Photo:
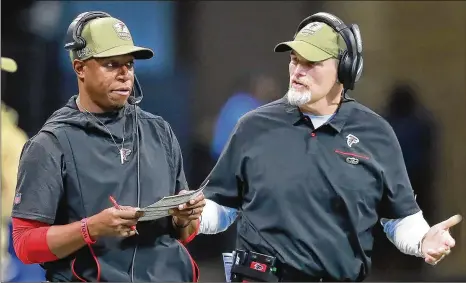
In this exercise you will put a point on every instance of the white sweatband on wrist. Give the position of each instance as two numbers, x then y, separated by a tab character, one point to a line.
216	218
406	233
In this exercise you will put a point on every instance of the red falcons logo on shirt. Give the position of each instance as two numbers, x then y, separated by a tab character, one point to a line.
258	266
350	140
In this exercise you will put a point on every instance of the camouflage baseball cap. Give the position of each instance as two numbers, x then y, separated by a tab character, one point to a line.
9	65
107	37
315	42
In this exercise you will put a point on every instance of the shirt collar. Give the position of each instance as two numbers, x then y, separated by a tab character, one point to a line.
337	122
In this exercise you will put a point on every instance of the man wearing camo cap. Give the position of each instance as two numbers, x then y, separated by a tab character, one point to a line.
99	145
312	173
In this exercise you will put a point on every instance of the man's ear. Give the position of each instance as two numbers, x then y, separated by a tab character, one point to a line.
78	67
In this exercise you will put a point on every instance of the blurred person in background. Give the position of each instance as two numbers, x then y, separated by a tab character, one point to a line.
249	93
417	133
13	139
102	145
312	173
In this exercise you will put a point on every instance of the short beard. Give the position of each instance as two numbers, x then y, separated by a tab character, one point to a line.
298	98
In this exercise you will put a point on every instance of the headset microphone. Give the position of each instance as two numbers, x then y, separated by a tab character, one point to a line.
133	99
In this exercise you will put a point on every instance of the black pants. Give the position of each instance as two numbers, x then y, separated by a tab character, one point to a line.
286	273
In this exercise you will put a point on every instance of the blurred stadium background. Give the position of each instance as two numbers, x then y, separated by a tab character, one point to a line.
214	61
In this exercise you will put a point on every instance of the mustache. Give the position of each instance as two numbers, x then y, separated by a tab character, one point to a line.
304	83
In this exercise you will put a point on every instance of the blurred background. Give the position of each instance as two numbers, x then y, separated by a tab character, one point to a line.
214	62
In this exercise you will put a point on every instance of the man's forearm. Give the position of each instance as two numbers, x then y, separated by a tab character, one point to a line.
37	242
64	240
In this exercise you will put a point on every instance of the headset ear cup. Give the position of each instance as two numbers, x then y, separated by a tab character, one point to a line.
359	62
74	40
359	68
344	66
353	68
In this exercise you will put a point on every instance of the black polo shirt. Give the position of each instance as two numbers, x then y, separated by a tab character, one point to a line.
70	168
312	196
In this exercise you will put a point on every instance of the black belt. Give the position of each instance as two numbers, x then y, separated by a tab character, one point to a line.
287	273
251	266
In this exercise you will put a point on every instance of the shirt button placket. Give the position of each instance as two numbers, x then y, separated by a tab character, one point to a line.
312	143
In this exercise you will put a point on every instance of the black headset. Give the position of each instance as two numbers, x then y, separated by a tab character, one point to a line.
351	61
74	41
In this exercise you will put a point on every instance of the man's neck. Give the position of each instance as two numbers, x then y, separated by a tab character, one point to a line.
324	106
85	104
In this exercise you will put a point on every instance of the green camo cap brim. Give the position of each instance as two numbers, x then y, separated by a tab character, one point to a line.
137	52
306	50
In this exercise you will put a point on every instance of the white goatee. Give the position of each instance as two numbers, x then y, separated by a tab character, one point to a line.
298	98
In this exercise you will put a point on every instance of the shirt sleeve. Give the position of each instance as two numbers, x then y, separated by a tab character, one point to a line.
40	184
226	183
30	241
176	161
398	199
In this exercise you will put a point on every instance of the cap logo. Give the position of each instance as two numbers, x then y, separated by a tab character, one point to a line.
311	28
122	31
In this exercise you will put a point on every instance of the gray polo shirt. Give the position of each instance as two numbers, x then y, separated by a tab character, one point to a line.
312	196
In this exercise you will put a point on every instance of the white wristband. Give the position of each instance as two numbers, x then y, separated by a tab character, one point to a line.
407	233
216	218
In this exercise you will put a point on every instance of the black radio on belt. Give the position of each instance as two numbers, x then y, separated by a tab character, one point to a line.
255	267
